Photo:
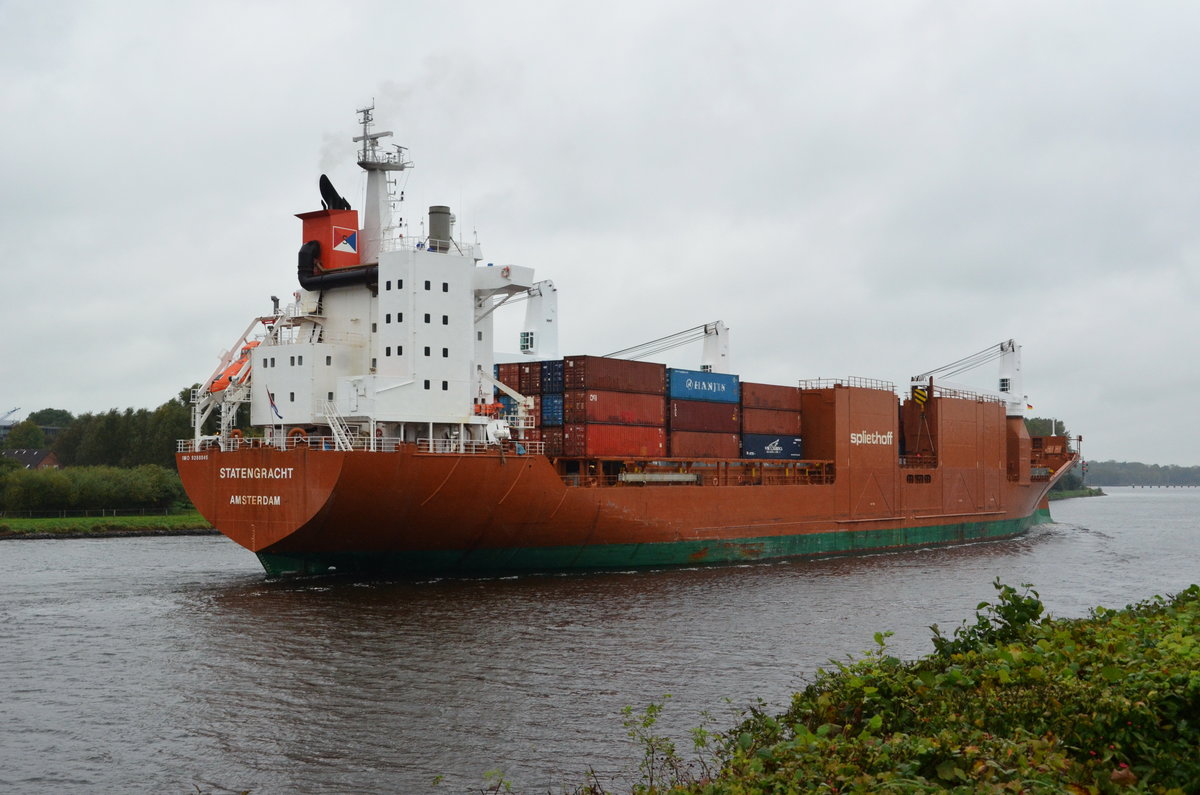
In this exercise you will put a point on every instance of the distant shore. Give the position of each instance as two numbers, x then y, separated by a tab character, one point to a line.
182	524
1067	495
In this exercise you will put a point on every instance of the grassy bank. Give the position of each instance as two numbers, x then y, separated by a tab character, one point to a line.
99	526
1012	703
1066	495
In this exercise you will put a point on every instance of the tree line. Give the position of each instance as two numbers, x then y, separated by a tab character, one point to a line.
89	488
113	459
114	438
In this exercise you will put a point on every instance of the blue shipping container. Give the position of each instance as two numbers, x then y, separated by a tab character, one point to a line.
766	445
552	376
552	409
699	385
510	404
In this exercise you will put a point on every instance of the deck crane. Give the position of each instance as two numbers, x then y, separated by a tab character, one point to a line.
714	359
1009	387
8	414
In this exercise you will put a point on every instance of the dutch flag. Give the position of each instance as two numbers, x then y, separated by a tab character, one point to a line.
271	400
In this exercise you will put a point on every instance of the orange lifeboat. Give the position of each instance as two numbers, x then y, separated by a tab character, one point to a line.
222	382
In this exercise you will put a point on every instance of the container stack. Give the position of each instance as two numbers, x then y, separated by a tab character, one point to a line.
771	421
613	407
705	416
550	410
597	407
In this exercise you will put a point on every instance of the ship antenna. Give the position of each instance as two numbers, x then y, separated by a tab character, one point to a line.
377	209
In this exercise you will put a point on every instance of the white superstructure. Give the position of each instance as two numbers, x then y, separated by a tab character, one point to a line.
392	335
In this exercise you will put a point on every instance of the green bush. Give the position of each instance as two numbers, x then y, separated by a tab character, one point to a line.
90	488
1012	703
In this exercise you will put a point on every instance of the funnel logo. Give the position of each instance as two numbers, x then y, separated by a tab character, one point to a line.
345	240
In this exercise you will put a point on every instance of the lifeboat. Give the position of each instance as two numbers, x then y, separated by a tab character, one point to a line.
225	379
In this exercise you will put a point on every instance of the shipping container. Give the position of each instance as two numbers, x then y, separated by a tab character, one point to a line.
697	444
614	375
759	445
770	396
703	415
552	376
531	378
509	374
551	410
509	403
770	421
613	441
553	439
616	408
699	385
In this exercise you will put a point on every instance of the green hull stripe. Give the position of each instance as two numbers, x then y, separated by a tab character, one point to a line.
633	556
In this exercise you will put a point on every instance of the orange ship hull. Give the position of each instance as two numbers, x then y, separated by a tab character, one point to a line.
313	511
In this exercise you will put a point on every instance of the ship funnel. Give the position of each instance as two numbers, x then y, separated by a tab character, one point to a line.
439	228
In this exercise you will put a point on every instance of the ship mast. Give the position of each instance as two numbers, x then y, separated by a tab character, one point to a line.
376	161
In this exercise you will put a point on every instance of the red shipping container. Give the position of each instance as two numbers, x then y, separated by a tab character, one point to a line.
771	421
531	378
509	374
553	437
615	408
770	396
704	415
529	434
696	444
613	441
614	375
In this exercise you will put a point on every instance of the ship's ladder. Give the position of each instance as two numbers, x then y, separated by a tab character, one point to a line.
337	427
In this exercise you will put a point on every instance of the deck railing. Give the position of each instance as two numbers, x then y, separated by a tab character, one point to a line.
383	444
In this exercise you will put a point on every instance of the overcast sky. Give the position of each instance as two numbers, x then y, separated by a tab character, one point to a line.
870	189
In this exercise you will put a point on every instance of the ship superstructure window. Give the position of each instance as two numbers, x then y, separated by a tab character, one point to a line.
445	320
1005	385
387	285
292	397
399	350
445	386
426	350
445	353
387	318
426	284
479	336
299	360
387	351
330	394
373	328
399	284
445	287
328	360
427	383
426	317
399	317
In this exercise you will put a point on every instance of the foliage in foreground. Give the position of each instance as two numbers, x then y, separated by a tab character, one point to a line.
1013	703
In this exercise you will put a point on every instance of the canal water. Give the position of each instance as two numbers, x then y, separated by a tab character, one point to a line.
174	665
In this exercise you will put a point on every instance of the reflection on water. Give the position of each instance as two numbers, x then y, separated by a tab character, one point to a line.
165	664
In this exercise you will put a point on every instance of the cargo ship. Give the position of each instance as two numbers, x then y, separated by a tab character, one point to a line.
386	438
